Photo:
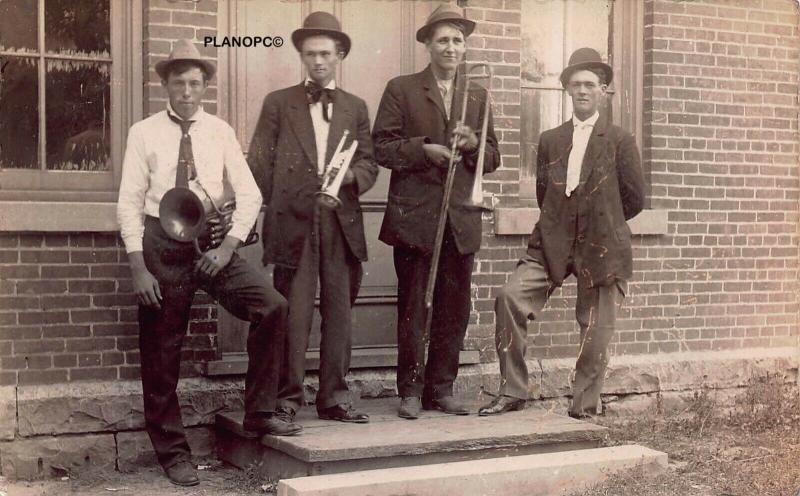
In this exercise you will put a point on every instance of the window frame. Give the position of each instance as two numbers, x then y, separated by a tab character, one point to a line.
125	109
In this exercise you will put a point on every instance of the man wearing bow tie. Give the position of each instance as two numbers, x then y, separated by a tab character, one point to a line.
588	183
297	134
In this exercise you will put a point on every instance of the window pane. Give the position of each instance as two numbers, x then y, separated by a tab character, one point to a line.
77	27
19	113
543	41
77	118
18	25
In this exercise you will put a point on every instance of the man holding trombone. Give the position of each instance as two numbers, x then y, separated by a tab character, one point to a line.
305	134
423	135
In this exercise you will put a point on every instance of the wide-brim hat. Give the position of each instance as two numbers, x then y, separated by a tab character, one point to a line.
321	23
582	59
445	13
184	50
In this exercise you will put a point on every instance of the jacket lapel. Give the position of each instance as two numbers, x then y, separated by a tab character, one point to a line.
339	120
300	119
432	91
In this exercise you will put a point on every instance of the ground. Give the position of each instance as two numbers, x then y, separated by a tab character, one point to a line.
748	448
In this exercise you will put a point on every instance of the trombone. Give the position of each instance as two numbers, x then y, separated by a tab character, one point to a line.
476	198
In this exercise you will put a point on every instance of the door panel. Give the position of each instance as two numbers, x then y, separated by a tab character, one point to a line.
383	46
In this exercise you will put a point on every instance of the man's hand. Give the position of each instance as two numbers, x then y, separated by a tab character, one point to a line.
145	285
465	138
439	155
349	177
215	260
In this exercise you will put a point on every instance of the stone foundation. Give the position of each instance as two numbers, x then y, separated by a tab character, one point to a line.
52	429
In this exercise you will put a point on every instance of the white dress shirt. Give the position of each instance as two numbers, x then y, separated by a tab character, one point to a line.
581	132
151	162
321	127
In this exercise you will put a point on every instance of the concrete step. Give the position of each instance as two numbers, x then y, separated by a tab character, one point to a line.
329	447
528	475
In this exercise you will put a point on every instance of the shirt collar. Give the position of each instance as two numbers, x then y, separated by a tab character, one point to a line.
591	121
198	116
330	86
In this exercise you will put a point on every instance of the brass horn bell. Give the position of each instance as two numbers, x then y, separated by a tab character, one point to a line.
182	214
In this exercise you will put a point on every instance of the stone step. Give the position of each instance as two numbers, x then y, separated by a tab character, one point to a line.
328	447
527	475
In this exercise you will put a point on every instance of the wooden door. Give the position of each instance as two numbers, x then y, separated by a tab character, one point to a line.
383	47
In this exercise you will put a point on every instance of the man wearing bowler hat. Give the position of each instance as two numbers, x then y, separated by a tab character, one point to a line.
183	147
588	184
418	117
297	134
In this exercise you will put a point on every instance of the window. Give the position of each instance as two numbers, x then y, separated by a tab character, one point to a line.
551	31
66	94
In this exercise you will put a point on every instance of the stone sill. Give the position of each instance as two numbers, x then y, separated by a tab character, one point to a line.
520	221
58	216
112	406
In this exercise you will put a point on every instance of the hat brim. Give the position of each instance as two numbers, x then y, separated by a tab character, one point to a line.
162	67
301	34
567	73
466	24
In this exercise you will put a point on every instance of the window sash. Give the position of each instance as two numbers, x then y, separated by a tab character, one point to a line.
125	109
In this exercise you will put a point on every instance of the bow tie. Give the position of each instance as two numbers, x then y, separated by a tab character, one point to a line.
316	93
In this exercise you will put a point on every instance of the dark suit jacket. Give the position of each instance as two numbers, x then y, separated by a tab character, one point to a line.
411	114
611	190
283	158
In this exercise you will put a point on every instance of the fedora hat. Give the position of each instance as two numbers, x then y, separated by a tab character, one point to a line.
184	50
445	13
321	23
582	59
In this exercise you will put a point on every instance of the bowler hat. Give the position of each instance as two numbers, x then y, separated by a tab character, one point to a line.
582	59
321	23
445	13
184	50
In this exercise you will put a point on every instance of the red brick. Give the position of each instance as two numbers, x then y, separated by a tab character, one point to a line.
64	271
93	374
66	331
41	256
36	317
38	346
90	344
91	286
91	316
33	377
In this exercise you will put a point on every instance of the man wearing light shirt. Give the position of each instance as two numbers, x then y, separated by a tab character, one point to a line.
185	147
588	184
296	136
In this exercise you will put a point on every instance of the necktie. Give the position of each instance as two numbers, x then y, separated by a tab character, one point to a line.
447	97
316	93
186	169
579	141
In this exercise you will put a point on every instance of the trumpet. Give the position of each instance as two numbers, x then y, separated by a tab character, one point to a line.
183	217
334	173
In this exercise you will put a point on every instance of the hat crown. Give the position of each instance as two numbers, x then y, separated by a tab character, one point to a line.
322	20
585	55
184	49
445	12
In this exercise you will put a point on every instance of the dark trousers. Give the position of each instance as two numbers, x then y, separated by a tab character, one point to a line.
241	289
339	274
522	299
451	308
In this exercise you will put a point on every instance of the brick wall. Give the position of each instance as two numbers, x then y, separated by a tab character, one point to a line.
497	40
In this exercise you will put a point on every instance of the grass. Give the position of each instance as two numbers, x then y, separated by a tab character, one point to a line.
745	447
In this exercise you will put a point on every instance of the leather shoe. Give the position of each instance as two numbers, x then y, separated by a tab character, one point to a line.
343	413
182	474
502	404
275	424
447	404
409	408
